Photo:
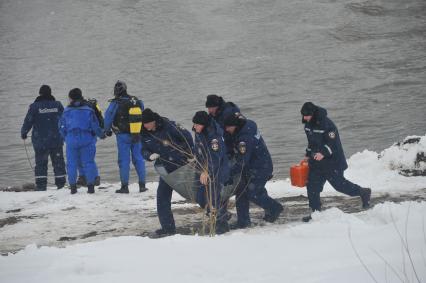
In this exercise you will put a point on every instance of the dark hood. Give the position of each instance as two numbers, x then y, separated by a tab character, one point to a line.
319	115
45	97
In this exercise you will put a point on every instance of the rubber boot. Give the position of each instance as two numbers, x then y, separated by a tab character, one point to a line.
274	214
237	225
73	189
142	187
165	232
221	227
123	190
309	217
365	194
81	181
91	189
97	181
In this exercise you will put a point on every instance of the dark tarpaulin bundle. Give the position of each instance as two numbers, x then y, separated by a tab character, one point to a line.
183	180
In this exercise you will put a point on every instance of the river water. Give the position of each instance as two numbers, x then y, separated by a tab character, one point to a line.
365	61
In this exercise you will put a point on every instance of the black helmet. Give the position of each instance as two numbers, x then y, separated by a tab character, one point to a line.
120	88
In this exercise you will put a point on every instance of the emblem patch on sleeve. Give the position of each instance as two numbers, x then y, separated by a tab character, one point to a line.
332	135
215	144
180	127
242	148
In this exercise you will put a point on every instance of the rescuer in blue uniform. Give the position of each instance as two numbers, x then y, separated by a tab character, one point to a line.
79	128
326	158
254	163
43	116
119	118
219	109
213	165
81	180
170	145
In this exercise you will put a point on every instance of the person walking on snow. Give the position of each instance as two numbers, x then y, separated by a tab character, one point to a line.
326	158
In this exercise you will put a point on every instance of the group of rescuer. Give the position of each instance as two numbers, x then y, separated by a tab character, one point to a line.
227	150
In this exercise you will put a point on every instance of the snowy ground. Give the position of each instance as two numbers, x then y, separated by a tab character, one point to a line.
36	223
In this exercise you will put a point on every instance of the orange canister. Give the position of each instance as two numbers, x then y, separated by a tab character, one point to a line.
299	174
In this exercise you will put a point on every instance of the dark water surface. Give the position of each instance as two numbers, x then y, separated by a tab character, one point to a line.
365	61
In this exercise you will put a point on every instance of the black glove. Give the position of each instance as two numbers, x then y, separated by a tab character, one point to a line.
108	133
24	136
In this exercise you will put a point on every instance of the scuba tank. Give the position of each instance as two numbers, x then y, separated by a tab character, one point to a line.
128	118
135	119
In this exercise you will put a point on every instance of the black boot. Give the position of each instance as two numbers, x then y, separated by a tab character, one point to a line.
274	214
222	227
97	181
365	194
165	232
307	218
142	187
60	186
239	226
91	189
81	181
73	189
123	190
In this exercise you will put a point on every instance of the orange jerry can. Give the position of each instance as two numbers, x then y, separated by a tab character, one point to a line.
299	174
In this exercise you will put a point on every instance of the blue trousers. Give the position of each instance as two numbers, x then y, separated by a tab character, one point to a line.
316	181
81	170
40	171
164	206
125	149
253	189
81	152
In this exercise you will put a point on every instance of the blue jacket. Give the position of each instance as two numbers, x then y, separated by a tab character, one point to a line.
224	111
43	116
79	125
323	137
111	113
252	155
171	141
210	151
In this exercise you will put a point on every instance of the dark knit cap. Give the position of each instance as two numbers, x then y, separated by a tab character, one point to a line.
45	90
75	94
308	109
201	118
214	100
148	116
233	120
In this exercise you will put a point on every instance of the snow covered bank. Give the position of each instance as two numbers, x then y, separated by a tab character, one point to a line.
55	218
320	251
378	171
